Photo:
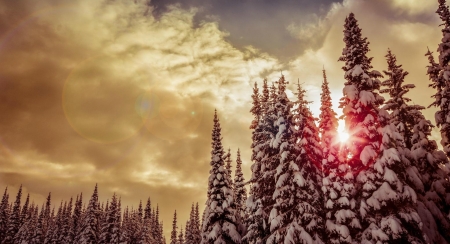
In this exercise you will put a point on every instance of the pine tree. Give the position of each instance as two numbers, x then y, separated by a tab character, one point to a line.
423	171
442	78
146	234
294	217
219	225
195	226
337	183
65	236
173	234
228	162
111	224
190	227
373	147
240	194
180	236
24	211
76	219
14	219
264	157
124	232
38	235
89	224
4	215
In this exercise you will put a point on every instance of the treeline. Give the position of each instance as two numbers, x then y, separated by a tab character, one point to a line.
74	222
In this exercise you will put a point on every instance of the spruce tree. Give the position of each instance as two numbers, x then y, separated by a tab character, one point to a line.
374	157
111	224
240	192
180	236
424	172
195	227
338	181
294	217
76	219
441	82
219	225
260	200
4	215
173	234
89	225
14	219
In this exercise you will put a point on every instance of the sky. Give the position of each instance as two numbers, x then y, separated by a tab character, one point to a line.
122	92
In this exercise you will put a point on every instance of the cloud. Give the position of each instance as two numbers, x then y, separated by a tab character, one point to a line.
102	92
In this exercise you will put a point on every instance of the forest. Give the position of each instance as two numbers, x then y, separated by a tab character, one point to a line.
387	183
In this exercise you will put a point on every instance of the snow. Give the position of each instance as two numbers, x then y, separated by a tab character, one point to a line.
298	179
366	97
367	154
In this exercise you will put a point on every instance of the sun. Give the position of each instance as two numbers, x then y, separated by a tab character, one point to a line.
343	136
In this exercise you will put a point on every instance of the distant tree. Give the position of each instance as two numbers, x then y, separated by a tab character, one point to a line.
89	224
4	215
173	234
219	225
180	236
111	224
240	193
14	220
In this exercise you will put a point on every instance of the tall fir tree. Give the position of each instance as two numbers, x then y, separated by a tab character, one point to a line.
14	219
373	146
424	172
180	236
4	215
89	224
442	82
294	217
219	225
240	192
338	180
111	224
260	200
173	234
228	162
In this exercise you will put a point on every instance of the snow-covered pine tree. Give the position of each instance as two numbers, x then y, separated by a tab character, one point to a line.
424	171
442	81
180	236
89	224
173	234
14	220
25	232
260	201
219	225
189	237
240	192
38	235
24	210
385	201
146	234
124	232
294	217
228	162
76	219
64	236
4	215
111	224
196	232
338	180
255	220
